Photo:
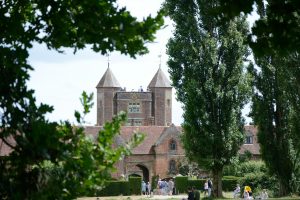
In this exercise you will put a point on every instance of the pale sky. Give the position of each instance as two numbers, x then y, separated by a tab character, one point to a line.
59	79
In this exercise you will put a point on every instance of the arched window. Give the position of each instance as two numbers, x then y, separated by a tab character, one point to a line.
172	167
172	145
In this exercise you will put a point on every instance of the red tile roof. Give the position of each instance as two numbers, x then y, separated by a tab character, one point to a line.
152	133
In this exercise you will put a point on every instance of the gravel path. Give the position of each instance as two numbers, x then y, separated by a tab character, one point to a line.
135	197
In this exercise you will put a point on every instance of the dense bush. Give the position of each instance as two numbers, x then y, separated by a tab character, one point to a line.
198	184
242	168
259	181
115	188
135	184
154	182
181	184
229	183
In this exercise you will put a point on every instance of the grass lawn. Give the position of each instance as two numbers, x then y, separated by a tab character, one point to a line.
227	195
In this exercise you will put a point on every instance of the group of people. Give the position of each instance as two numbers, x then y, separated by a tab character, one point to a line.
207	188
247	195
165	187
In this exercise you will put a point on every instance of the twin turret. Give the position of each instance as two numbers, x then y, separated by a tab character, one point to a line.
144	108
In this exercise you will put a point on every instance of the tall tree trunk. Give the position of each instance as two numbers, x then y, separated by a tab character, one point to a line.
283	187
217	182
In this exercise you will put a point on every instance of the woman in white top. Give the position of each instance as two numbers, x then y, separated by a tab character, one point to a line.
205	188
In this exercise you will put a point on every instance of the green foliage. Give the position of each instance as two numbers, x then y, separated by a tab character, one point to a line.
100	24
51	160
135	185
187	168
198	184
75	166
181	184
240	169
258	181
115	188
275	30
154	181
207	70
229	183
276	112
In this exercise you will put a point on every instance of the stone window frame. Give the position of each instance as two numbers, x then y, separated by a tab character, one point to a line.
134	107
172	145
249	137
134	122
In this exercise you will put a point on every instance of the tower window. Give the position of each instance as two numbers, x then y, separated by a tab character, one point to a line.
134	122
249	138
172	145
134	107
168	102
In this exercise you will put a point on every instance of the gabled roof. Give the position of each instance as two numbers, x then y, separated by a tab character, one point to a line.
160	80
152	133
108	80
172	130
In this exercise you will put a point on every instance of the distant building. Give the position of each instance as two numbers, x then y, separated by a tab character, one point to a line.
152	107
149	112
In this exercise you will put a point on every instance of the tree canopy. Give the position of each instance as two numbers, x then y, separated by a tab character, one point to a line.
207	70
50	156
276	30
275	111
65	23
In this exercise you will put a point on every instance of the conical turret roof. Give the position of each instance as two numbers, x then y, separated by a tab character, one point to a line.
108	80
160	80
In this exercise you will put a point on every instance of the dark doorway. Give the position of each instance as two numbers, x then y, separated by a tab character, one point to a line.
145	172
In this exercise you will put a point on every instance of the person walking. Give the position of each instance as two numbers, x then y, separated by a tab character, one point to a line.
210	185
148	189
143	187
171	186
206	188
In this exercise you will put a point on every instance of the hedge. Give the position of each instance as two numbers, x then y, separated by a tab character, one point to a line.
115	188
135	184
229	183
198	184
182	183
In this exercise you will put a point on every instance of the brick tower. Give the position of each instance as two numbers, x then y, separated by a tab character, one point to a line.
107	87
161	90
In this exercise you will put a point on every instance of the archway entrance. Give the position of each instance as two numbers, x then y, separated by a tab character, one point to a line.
145	172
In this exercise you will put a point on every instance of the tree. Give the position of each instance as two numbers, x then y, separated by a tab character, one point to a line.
38	144
275	111
58	161
277	28
207	70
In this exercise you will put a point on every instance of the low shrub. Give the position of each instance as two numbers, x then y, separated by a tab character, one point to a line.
198	184
229	183
115	188
135	185
181	184
259	181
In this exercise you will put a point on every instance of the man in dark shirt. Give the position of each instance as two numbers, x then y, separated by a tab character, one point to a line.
196	193
190	194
